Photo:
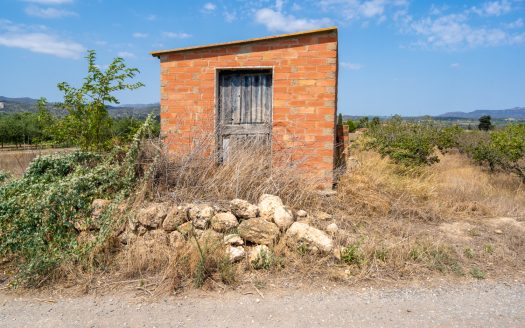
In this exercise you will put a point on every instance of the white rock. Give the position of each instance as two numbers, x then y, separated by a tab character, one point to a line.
283	217
301	214
233	239
332	228
236	253
314	238
223	222
267	205
243	209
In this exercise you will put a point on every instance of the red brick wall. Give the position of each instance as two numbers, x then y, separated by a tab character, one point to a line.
304	95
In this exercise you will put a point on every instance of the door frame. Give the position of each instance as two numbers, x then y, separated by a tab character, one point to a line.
218	71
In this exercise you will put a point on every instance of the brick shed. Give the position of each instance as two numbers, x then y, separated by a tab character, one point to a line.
282	89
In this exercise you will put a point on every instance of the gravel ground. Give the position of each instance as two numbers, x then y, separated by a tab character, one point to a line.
480	304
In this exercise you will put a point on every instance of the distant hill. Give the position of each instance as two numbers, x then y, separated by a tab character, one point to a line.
18	105
517	113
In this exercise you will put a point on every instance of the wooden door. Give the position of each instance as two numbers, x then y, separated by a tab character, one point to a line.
244	116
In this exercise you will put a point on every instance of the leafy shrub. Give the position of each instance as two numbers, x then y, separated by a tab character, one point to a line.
351	126
38	212
501	149
411	143
477	273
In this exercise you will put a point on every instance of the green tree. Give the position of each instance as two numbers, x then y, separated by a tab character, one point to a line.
88	123
351	126
375	121
363	122
340	119
485	123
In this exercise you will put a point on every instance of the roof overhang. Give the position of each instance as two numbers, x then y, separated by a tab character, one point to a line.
268	38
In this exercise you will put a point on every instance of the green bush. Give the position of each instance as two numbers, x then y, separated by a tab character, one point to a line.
351	126
411	143
38	212
501	149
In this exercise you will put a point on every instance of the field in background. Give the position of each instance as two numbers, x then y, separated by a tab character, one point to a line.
15	161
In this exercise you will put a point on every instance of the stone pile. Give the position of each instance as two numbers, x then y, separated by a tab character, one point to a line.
245	229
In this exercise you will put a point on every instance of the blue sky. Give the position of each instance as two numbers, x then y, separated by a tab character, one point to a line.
397	56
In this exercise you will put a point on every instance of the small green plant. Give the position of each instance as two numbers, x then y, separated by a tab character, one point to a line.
302	249
436	257
352	254
469	253
227	271
457	269
488	248
381	254
477	273
264	260
474	232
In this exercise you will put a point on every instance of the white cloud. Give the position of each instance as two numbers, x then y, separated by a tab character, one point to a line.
279	5
176	35
230	16
372	8
50	2
38	39
140	35
48	12
151	17
455	65
126	54
296	7
453	31
44	44
209	7
276	21
518	23
493	8
351	66
362	10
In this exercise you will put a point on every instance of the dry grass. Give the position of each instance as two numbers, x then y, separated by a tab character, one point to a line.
395	225
196	177
16	161
408	224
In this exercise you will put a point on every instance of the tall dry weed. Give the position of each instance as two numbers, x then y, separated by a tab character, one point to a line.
248	173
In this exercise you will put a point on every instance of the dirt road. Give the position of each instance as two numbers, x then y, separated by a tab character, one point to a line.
480	304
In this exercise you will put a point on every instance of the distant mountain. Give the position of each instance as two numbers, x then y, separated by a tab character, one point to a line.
18	105
517	113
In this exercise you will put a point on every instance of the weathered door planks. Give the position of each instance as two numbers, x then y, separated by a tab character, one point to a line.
244	110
